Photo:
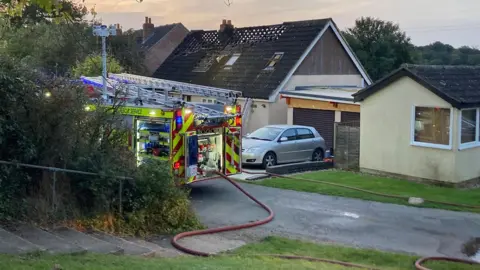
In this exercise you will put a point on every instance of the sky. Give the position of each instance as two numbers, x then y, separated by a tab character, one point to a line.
455	22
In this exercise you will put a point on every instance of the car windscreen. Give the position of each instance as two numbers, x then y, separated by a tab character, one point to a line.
265	133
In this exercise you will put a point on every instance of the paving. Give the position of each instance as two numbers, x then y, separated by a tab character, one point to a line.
314	217
47	241
13	244
255	175
128	247
87	242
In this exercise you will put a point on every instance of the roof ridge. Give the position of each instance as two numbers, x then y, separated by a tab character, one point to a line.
271	25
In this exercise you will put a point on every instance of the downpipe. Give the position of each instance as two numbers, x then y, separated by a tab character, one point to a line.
418	264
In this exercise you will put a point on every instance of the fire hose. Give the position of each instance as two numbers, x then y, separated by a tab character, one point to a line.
418	264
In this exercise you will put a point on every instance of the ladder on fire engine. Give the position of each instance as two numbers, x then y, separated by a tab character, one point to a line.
134	91
184	88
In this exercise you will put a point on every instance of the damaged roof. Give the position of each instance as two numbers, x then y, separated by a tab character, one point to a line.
204	57
458	85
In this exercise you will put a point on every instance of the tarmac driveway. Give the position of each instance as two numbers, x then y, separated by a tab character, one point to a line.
427	232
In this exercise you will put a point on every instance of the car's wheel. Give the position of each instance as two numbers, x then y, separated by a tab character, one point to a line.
269	160
317	155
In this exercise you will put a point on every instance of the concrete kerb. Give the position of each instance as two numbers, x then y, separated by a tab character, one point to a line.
300	167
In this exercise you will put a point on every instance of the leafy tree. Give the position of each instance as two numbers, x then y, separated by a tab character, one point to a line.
92	66
381	46
34	13
439	53
127	51
52	48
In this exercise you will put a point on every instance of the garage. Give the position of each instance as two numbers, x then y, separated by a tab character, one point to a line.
322	120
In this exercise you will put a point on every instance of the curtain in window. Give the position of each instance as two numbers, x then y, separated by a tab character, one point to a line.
432	125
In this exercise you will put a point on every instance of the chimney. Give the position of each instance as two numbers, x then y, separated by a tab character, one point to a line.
119	29
147	28
226	30
223	25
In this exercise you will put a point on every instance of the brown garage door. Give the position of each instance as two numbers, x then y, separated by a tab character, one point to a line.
321	120
350	117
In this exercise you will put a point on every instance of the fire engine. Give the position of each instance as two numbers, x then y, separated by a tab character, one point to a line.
196	138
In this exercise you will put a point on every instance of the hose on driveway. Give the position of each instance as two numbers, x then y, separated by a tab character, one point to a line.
175	240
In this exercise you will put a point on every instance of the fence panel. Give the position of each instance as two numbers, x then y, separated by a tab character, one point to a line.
347	145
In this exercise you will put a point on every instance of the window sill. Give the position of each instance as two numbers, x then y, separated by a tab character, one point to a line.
432	145
468	146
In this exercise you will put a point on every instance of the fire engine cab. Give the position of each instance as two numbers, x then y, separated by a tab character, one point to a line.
196	138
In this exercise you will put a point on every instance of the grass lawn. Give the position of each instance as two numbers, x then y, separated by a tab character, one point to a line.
239	259
376	184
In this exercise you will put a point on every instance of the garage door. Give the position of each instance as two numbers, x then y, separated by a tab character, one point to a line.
350	117
321	120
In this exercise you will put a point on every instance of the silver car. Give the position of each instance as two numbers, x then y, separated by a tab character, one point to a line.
277	144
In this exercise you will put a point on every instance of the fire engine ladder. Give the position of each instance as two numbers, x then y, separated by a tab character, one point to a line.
133	91
184	88
152	96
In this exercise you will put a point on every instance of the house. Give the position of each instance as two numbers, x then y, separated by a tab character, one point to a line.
262	61
422	123
321	108
157	43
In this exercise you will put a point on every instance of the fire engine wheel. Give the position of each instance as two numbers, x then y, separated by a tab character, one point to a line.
269	160
317	155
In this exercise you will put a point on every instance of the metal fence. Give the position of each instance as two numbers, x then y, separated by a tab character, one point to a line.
51	192
347	145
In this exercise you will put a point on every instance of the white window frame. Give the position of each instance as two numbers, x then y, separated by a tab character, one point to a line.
268	67
476	143
430	145
232	59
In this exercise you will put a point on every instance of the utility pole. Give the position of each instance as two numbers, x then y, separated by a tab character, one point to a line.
103	31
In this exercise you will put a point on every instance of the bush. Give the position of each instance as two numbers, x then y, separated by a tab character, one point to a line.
43	121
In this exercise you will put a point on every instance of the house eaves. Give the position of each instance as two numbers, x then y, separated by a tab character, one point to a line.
404	72
274	96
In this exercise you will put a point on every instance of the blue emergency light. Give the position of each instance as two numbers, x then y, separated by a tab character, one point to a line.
178	120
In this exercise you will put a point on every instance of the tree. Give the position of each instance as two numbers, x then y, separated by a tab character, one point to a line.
34	13
381	46
51	48
92	66
439	53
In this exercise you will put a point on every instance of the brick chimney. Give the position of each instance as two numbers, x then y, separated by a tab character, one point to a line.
119	29
147	28
226	25
226	30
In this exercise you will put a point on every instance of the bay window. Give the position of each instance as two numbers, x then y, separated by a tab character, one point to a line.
432	127
469	128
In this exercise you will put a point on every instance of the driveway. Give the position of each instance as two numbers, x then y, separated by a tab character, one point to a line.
426	232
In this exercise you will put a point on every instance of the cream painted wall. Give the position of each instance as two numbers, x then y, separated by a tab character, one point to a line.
385	135
290	116
259	115
466	161
324	80
278	112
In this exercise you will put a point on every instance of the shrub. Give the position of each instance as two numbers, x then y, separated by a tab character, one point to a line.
43	121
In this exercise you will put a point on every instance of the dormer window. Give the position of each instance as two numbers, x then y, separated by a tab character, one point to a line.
274	60
232	60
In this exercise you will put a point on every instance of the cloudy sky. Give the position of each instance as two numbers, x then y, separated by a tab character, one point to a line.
451	21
